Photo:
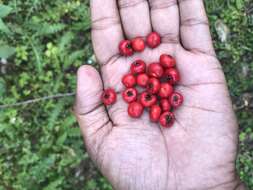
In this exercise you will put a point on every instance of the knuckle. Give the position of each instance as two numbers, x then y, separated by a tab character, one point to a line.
194	21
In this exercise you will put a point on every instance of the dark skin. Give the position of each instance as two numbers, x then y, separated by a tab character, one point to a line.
199	151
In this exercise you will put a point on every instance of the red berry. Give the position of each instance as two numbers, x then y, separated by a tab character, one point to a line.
125	48
130	95
138	67
135	109
167	119
153	40
176	99
129	80
155	70
109	96
147	99
171	76
165	104
138	44
155	113
167	61
153	85
165	90
142	79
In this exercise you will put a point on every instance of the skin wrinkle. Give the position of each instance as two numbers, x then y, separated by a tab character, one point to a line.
200	108
104	23
129	3
161	4
170	38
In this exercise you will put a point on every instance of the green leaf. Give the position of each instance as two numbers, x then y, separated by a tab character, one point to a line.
239	4
4	28
4	10
6	51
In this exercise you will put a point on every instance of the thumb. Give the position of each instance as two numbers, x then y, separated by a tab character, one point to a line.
89	111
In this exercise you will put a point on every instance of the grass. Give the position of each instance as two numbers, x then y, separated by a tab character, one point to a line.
44	42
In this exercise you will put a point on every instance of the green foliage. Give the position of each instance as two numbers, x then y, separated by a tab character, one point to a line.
44	43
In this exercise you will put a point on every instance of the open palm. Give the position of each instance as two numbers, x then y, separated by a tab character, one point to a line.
199	151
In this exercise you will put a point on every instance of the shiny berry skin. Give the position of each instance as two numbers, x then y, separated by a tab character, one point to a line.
129	95
155	113
153	40
135	109
165	90
176	99
129	80
165	105
167	61
125	48
155	70
109	96
171	76
138	44
167	119
153	85
147	99
138	67
142	80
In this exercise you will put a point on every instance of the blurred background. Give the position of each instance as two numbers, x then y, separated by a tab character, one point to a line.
42	43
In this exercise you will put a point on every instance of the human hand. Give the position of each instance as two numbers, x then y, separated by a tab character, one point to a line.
199	151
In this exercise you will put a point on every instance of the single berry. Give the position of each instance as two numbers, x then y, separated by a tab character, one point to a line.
171	76
176	99
153	40
142	80
109	96
165	90
130	95
155	113
138	44
135	109
167	119
155	70
129	80
147	99
125	48
153	85
138	67
165	105
167	61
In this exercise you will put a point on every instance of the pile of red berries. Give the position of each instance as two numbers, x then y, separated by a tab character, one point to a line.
150	86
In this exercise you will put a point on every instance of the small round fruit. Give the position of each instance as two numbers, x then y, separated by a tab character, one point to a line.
138	67
176	99
147	99
125	48
171	76
142	80
135	109
165	90
153	85
155	70
130	95
167	119
129	80
109	96
155	113
165	105
153	40
138	44
167	61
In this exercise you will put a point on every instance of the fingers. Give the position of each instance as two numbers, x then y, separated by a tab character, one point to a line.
165	19
89	111
135	17
106	29
195	33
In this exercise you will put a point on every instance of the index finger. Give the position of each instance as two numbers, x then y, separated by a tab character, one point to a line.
106	29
